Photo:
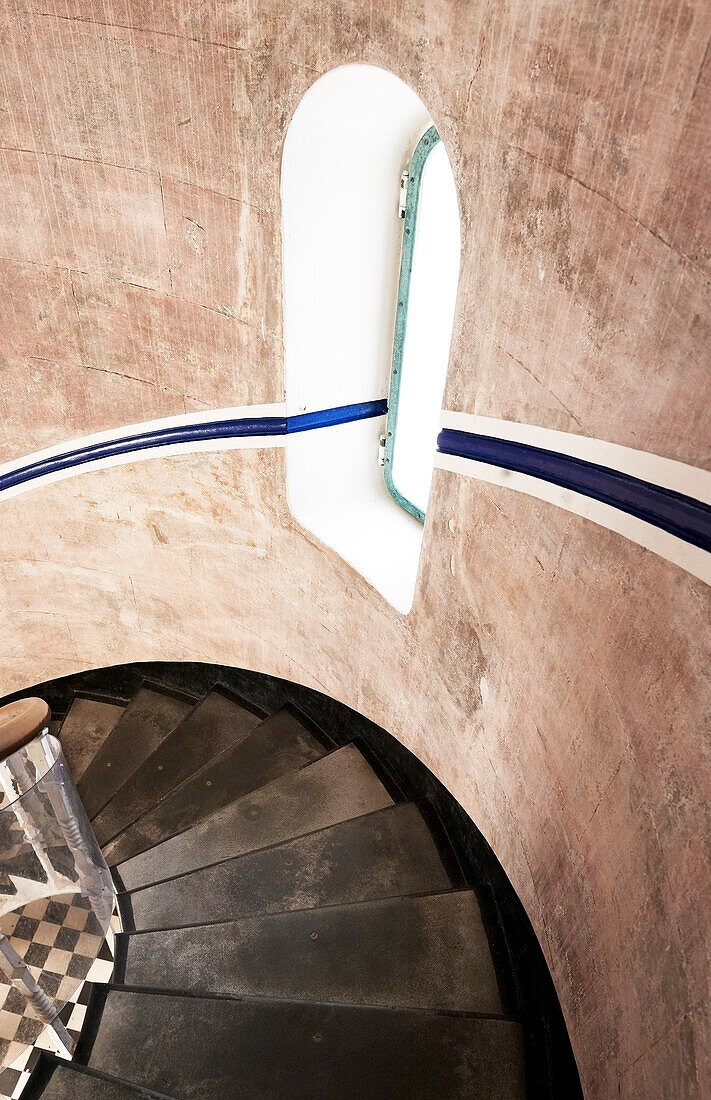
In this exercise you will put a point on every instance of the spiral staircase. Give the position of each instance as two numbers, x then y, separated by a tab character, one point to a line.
293	924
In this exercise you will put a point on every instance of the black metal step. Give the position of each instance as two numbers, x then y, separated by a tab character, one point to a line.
210	1049
340	786
281	743
384	854
54	1080
215	724
148	719
426	952
87	725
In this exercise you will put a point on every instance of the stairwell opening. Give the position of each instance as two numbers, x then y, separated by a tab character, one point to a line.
302	828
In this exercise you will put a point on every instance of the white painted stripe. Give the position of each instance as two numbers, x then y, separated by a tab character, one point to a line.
692	481
668	473
691	558
236	412
238	443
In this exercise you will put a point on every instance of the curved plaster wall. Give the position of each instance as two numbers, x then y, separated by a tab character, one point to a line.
553	672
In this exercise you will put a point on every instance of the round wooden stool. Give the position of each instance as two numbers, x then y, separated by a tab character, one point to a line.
20	723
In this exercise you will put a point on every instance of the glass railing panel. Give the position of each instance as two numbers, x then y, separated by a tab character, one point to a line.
47	851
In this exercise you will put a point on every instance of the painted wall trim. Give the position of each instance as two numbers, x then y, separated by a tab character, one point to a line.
557	467
343	414
246	426
691	481
680	515
687	555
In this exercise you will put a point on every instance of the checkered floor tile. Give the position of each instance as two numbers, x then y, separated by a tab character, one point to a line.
61	941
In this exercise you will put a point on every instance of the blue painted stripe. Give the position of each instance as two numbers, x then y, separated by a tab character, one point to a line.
687	518
343	414
192	433
162	437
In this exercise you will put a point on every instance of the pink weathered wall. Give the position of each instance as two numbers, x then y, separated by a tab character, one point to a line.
553	674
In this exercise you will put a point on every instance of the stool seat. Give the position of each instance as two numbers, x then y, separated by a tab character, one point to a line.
20	722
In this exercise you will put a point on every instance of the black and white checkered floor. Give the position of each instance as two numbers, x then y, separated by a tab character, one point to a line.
61	941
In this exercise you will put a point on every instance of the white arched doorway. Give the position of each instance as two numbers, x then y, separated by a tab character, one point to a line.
350	237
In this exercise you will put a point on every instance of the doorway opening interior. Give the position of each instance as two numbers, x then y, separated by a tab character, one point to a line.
371	248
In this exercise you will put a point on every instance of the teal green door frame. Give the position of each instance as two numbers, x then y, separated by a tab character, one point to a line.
417	164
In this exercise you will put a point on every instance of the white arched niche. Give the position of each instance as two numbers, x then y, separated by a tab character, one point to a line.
350	140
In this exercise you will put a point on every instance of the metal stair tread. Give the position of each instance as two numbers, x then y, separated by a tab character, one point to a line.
387	853
278	1049
219	721
280	743
339	786
87	724
148	719
429	951
55	1080
82	1087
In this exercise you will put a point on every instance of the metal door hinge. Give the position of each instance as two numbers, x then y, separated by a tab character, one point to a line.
402	205
381	451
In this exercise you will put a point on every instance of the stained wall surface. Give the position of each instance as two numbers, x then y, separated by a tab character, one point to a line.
553	674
